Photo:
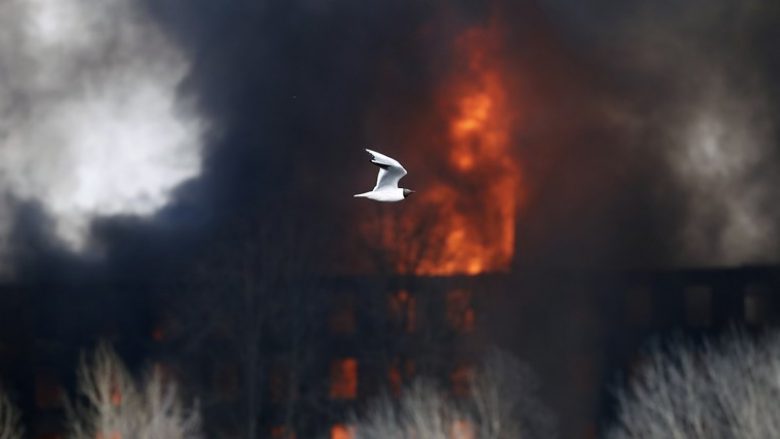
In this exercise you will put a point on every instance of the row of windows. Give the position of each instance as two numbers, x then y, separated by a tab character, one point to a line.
343	380
699	304
402	308
337	431
460	429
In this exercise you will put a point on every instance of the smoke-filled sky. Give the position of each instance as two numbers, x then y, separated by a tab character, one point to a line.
91	121
695	86
130	130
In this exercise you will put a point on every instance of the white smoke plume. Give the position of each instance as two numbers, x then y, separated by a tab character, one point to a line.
90	121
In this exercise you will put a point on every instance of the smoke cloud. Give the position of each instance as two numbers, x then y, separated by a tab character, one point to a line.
90	122
646	136
722	142
688	90
714	125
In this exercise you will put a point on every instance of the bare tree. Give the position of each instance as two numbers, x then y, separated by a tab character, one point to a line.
424	411
500	405
10	424
112	406
252	311
503	402
726	389
163	416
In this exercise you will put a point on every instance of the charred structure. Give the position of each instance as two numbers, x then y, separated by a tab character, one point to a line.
574	166
369	335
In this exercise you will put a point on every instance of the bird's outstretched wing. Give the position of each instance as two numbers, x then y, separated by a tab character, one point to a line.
390	171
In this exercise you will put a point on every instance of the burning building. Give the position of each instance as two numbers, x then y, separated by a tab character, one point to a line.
571	166
473	206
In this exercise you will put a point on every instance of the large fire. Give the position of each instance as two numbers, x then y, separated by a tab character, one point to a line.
469	224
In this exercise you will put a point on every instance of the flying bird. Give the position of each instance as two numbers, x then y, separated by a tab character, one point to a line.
390	172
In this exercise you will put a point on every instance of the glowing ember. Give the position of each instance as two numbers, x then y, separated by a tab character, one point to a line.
340	431
281	432
116	397
400	373
344	378
462	429
460	379
460	314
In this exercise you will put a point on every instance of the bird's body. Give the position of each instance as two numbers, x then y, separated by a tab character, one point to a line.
386	195
390	172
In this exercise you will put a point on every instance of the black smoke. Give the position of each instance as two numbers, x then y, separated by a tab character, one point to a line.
611	97
670	112
647	137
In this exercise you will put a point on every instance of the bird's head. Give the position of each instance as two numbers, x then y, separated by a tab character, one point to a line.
407	192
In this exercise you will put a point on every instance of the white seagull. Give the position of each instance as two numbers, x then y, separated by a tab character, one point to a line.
390	172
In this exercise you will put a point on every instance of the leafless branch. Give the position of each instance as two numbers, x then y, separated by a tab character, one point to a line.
503	400
500	406
109	398
727	389
10	425
163	416
113	407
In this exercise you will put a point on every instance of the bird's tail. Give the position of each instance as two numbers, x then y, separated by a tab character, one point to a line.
363	195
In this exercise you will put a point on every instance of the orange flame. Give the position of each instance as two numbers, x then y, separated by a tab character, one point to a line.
476	221
464	222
